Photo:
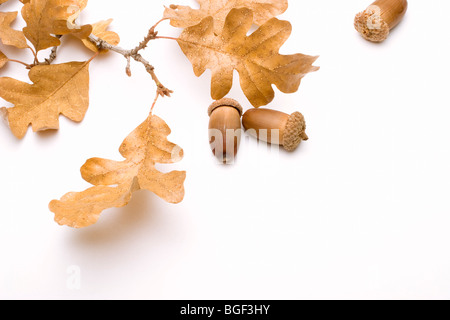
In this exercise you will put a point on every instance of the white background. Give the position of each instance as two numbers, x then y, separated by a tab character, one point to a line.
360	211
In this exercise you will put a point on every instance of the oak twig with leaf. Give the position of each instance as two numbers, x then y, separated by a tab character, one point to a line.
214	37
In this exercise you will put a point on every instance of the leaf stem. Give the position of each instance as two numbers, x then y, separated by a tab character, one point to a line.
21	62
156	24
163	37
154	103
93	57
34	53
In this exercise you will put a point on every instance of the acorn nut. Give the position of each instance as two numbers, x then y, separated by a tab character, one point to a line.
376	22
276	127
225	129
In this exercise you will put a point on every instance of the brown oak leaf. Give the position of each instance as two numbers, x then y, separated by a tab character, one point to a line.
23	1
8	35
184	16
56	89
3	59
99	30
47	18
255	57
114	182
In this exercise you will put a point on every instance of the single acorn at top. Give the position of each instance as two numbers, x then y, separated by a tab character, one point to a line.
225	129
376	22
276	127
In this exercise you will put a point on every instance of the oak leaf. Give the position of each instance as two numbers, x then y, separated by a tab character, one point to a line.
56	89
47	18
99	30
114	182
3	59
23	1
184	16
8	35
255	57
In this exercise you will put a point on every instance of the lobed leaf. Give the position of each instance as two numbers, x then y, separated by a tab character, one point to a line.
184	16
255	57
115	181
56	89
3	59
47	18
8	35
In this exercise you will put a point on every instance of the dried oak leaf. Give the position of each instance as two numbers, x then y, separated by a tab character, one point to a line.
23	1
99	30
114	182
3	59
47	18
56	89
255	57
8	35
184	16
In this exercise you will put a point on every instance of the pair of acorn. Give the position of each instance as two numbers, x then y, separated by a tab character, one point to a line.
267	125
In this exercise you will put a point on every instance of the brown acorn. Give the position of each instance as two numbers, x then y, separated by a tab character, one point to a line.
225	129
376	22
276	127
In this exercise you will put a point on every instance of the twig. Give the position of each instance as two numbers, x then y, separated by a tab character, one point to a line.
128	68
135	55
51	57
151	35
53	53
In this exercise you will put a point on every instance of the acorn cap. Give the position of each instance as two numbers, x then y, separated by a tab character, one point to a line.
225	102
371	25
294	131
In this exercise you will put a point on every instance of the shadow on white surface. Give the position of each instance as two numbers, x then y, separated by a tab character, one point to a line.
47	134
116	225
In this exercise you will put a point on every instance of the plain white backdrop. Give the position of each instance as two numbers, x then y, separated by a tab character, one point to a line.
360	211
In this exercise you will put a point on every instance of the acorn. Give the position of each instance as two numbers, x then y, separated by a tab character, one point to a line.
376	22
276	127
225	129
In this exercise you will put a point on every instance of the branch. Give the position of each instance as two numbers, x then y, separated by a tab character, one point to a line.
135	55
152	35
51	57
